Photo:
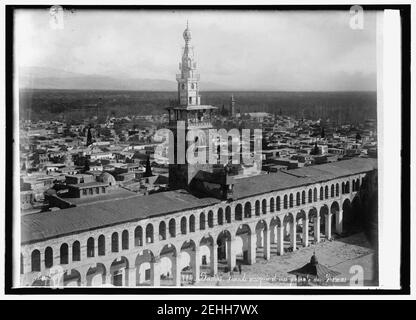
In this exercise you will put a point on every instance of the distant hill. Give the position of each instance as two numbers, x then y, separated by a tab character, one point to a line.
49	78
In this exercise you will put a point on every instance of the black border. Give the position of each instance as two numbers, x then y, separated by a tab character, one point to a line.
405	11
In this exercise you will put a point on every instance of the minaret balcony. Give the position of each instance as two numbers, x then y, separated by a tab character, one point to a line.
194	77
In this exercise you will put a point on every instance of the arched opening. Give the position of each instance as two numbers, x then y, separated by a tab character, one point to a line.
125	240
202	221
247	254
210	219
263	239
96	275
228	214
326	192
343	188
192	223
337	219
247	210
264	206
303	197
48	257
321	193
357	185
143	263
272	204
257	207
285	204
119	272
168	270
90	247
172	228
310	196
347	187
162	230
138	236
337	190
149	233
238	212
189	265
35	260
101	245
72	278
226	258
63	254
332	191
114	242
291	200
298	198
76	251
315	195
183	225
220	217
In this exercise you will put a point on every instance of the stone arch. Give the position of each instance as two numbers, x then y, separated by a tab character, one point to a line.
343	188
138	236
244	234
238	214
183	225
188	263
315	194
326	192
347	222
224	251
285	204
220	216
168	255
149	233
347	187
321	193
298	198
337	222
202	221
97	272
271	204
332	190
90	247
192	223
76	251
144	262
210	219
291	200
228	214
125	240
337	190
303	197
247	210
162	230
63	254
35	260
172	228
264	206
71	278
114	242
278	202
310	196
257	208
119	271
101	245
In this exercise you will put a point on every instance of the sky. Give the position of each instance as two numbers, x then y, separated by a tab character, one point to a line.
245	50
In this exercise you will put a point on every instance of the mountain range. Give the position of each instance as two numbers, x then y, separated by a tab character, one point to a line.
50	78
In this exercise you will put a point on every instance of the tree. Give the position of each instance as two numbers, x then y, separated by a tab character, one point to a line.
89	137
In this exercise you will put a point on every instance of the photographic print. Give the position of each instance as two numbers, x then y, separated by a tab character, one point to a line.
197	148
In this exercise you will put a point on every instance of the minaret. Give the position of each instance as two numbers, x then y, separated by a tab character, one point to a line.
232	106
188	113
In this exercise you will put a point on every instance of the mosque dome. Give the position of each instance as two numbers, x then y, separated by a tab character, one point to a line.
314	260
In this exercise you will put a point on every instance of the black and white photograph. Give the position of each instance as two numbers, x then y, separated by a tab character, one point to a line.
202	148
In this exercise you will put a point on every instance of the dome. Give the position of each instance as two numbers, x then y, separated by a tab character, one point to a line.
187	34
107	178
314	260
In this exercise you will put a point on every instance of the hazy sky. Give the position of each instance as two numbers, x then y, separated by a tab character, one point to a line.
247	50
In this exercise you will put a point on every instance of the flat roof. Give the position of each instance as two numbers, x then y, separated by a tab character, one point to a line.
46	225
